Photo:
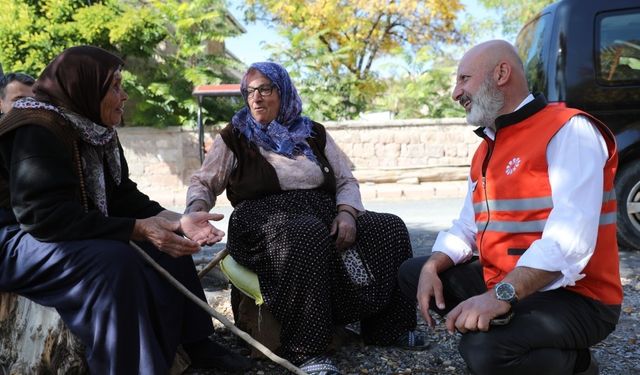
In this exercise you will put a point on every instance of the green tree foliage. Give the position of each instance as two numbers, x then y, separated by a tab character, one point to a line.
515	13
160	41
423	89
334	44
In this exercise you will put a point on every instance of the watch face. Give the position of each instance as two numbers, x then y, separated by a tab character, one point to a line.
505	291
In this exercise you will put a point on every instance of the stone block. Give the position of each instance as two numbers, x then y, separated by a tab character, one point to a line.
386	137
154	167
408	181
345	136
414	150
451	189
454	136
418	192
368	137
368	192
391	150
170	155
363	150
388	192
435	150
462	150
167	198
165	143
405	136
433	161
135	169
347	148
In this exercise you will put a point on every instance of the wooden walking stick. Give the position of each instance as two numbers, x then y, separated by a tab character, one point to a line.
214	262
205	306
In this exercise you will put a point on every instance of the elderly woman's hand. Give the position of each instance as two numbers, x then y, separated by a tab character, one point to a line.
197	227
344	227
161	232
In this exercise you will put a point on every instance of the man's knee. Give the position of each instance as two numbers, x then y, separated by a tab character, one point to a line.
115	261
484	355
409	275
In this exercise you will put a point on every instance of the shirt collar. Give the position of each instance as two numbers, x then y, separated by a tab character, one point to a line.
529	105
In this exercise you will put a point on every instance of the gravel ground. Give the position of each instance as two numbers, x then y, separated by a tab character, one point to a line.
618	354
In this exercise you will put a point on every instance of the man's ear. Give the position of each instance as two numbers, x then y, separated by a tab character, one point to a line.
502	73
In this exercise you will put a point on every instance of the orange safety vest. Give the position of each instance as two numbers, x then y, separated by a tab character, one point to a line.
512	201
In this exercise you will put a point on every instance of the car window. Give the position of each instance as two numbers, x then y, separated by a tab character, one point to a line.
530	48
619	47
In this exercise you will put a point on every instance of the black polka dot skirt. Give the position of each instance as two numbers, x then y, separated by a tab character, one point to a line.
284	239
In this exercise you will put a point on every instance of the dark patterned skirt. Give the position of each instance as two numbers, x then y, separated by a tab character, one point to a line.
285	240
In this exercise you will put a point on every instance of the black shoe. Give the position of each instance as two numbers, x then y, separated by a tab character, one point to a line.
207	354
412	340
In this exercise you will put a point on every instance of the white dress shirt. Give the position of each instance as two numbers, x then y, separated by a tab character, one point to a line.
576	156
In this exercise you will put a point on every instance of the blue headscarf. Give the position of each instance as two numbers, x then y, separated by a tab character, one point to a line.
287	134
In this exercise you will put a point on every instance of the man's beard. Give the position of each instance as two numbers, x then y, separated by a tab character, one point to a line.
485	105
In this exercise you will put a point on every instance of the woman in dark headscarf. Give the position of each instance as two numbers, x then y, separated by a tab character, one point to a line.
298	213
67	212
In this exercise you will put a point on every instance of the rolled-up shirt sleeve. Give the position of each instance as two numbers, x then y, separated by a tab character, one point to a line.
347	188
576	156
211	179
459	242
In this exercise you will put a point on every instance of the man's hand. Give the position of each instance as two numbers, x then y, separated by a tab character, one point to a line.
197	227
475	313
429	286
161	233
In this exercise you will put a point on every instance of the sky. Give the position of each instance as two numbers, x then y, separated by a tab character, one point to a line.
249	47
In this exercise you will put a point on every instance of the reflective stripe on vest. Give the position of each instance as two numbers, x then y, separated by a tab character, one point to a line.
529	204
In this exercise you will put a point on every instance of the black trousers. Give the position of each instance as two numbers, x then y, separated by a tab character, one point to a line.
130	319
549	334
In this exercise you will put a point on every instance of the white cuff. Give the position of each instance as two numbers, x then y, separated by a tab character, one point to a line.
546	255
454	247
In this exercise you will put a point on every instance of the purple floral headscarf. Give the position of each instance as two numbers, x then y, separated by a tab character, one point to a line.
287	134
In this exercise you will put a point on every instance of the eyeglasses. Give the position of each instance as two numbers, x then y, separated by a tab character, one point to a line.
264	90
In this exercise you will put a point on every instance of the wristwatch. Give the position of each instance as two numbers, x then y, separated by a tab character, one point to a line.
506	292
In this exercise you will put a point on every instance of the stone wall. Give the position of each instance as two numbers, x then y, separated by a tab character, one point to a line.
405	152
405	144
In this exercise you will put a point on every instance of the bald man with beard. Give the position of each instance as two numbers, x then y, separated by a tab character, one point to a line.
529	272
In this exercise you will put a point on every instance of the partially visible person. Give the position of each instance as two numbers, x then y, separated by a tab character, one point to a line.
14	86
299	224
541	214
68	210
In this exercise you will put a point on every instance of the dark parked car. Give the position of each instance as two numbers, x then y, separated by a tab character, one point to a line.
586	55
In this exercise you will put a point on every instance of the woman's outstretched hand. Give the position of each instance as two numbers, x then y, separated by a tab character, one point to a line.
196	226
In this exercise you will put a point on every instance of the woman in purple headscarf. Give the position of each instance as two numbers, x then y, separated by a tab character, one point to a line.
68	211
299	223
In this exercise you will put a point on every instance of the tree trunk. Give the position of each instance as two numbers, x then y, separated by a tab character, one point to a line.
34	340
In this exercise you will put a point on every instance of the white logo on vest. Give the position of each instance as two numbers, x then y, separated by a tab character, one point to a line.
512	166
